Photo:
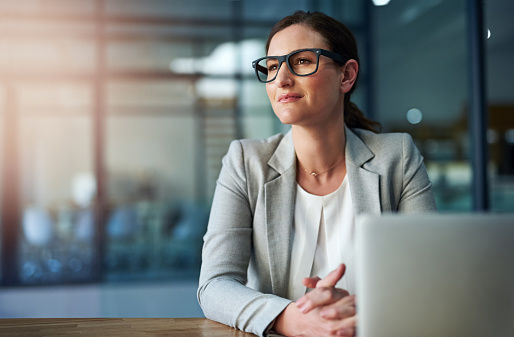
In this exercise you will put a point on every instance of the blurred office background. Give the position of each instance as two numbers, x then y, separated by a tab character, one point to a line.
115	114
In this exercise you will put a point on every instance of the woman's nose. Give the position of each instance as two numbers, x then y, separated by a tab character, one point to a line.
284	76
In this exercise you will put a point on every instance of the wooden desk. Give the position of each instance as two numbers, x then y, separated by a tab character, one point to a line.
126	327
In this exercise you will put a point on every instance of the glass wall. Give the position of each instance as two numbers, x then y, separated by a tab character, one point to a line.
57	183
422	87
116	114
500	92
119	114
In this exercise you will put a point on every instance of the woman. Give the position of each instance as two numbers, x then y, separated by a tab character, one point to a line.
284	208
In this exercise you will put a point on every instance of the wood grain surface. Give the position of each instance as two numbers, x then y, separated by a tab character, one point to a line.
184	327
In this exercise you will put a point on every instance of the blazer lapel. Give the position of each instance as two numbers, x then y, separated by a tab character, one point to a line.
364	185
280	195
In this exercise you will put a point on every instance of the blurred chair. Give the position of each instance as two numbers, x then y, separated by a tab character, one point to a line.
184	236
37	226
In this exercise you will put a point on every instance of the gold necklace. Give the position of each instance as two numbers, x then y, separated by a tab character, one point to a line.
314	174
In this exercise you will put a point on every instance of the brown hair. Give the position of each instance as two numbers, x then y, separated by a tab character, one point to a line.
340	40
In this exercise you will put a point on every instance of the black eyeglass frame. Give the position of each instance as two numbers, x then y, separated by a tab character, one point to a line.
285	58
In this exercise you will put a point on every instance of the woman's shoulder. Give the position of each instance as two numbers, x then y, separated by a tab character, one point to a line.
256	148
264	143
250	157
386	140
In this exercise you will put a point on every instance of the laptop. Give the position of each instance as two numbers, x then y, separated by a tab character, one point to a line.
435	275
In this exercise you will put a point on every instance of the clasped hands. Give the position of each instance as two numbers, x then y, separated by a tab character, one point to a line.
324	311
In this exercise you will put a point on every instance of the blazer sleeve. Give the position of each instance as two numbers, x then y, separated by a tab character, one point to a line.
222	293
416	195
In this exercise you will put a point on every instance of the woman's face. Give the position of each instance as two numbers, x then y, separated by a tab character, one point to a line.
305	100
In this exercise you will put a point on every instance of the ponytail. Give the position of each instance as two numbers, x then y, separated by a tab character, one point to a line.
354	118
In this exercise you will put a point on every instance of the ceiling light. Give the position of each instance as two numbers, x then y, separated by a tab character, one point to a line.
414	116
380	2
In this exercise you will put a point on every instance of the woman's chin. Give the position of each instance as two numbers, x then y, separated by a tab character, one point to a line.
288	118
285	121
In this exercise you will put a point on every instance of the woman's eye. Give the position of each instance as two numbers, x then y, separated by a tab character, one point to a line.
272	67
303	61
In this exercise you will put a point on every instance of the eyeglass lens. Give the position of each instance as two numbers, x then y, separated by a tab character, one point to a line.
301	63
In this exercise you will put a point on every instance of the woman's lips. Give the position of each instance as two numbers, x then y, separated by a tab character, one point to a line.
288	98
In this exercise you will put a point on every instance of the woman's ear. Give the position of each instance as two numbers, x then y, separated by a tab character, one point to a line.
349	72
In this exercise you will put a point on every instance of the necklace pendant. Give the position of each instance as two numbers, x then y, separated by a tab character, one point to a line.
313	174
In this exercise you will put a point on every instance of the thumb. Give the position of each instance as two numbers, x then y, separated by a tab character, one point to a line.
333	277
311	282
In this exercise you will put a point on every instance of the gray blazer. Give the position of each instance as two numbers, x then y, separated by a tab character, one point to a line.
247	247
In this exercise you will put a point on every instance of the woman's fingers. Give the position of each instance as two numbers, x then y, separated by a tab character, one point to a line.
344	327
291	322
343	308
320	297
348	327
310	282
329	281
324	291
333	277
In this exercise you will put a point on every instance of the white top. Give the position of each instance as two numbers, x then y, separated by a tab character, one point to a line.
323	237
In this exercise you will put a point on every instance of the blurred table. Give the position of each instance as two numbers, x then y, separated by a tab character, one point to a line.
183	327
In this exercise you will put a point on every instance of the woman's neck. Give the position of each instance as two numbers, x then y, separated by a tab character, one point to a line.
317	150
321	165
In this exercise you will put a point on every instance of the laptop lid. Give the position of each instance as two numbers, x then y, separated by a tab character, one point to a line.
435	275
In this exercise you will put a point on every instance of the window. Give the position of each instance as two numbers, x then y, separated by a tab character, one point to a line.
422	88
500	132
117	114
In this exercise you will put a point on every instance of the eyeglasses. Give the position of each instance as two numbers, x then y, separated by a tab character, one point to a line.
302	62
